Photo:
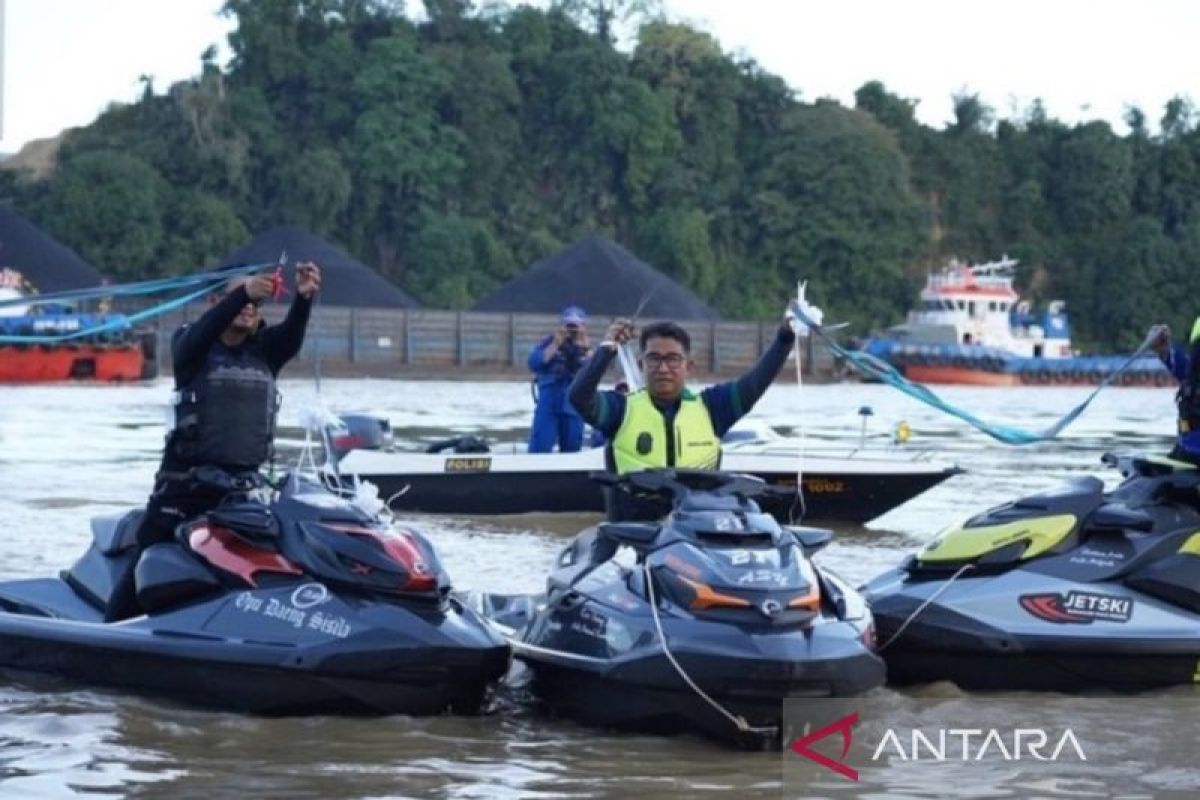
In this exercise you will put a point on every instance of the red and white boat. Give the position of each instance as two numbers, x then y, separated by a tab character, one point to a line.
25	356
972	327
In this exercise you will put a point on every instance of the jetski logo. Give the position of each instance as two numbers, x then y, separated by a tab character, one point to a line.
309	595
1077	608
844	726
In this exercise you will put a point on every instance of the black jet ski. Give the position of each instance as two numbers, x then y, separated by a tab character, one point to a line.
1071	589
723	616
299	604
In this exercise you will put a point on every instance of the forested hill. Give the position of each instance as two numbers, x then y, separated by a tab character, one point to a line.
453	152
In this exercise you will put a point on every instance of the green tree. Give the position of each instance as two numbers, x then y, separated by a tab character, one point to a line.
836	207
405	159
200	230
109	206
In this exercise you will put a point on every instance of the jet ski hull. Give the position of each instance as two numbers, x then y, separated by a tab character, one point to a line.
644	692
228	653
1010	652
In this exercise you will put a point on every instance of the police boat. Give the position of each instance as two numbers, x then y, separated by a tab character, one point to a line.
1075	588
722	616
286	600
465	475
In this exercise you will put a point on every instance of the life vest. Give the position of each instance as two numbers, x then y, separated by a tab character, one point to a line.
226	415
642	440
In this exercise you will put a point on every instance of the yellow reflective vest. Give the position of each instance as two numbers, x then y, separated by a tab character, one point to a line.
641	441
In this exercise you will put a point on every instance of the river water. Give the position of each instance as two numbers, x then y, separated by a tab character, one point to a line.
70	452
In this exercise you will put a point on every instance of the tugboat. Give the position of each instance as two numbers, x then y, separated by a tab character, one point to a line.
972	327
123	354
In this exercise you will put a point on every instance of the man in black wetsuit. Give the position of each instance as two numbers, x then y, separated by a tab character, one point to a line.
225	366
666	424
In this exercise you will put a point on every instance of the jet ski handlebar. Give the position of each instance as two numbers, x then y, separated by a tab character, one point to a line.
676	483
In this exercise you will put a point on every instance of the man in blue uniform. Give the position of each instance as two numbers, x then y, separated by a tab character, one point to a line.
555	361
1184	364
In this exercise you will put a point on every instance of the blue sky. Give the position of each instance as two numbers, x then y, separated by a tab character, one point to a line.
65	60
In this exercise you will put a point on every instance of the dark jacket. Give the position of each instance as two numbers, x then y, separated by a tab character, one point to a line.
198	354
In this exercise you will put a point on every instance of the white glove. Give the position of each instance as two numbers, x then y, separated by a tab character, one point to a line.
801	305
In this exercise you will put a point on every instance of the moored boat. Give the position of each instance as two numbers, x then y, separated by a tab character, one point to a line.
854	487
972	327
26	355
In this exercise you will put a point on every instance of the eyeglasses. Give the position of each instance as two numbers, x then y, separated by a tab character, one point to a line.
656	360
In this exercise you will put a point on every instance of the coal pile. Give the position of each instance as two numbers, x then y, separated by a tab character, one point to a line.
602	277
345	281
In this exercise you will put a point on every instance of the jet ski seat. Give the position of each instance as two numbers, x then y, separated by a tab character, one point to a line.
637	535
115	534
165	575
713	502
591	548
99	571
1113	516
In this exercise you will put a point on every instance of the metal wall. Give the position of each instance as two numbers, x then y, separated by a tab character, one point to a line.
380	341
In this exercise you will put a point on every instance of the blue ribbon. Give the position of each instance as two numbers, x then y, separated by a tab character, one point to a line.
120	322
882	371
155	286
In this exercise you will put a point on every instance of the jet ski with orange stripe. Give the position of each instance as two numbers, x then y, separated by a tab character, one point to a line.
1073	589
284	600
704	624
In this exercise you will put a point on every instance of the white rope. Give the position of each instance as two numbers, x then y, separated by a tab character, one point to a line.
923	606
800	430
738	721
797	329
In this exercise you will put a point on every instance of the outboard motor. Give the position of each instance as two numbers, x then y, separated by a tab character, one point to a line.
360	432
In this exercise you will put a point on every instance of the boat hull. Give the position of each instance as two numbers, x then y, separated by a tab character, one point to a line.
967	365
46	363
958	375
847	490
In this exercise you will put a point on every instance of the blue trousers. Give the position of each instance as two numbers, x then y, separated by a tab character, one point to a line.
551	428
1187	447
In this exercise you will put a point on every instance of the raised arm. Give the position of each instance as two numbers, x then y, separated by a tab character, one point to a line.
192	343
602	410
1173	356
729	402
583	395
282	342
